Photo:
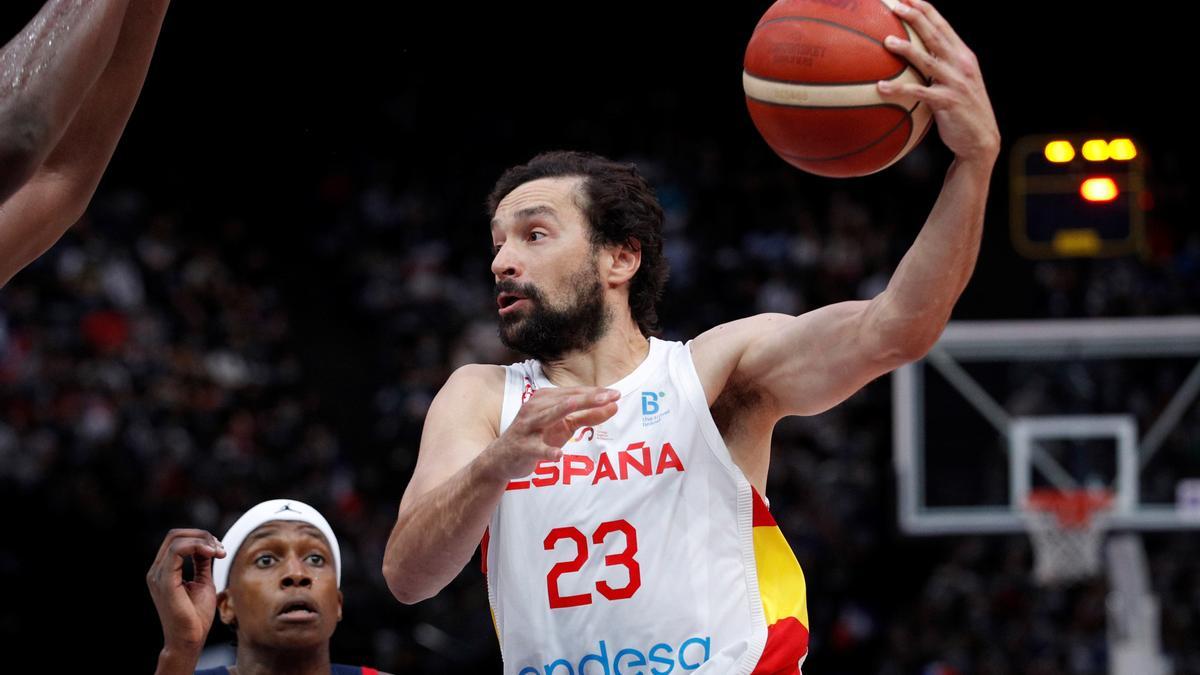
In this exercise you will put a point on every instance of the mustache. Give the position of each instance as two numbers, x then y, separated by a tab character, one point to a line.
524	290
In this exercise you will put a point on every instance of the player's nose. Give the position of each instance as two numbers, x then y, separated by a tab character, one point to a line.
506	263
295	574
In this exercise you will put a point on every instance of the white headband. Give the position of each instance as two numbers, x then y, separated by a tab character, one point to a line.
275	509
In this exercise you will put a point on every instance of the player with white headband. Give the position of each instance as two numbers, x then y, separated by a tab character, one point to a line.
275	579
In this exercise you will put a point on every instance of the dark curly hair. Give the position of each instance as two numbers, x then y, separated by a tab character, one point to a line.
619	206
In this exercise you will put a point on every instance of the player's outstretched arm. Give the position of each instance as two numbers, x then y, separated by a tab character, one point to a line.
64	177
807	364
185	608
45	72
464	467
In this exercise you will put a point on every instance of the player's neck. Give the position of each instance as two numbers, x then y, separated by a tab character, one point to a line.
257	660
616	354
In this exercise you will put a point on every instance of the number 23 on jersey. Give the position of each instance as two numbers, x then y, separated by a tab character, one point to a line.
612	529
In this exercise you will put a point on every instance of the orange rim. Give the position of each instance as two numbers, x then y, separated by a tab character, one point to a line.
1073	508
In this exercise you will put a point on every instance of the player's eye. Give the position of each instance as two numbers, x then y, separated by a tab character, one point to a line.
535	235
316	559
264	560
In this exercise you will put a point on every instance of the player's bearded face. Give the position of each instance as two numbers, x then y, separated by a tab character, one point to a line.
547	332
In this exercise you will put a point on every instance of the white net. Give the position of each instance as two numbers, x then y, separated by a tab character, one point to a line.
1064	553
1067	529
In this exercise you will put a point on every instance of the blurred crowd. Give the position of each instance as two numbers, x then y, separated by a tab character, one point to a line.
157	372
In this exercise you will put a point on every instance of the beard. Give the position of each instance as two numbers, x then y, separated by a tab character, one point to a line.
547	333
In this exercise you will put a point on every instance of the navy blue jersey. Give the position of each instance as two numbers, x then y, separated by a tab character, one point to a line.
334	669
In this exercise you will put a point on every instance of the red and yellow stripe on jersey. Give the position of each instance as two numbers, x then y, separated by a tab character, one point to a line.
784	597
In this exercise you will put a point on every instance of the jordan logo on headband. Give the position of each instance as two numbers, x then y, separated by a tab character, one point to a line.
287	507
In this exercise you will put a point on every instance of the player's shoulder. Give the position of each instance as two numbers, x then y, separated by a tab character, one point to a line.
477	375
724	344
717	351
469	402
475	383
471	390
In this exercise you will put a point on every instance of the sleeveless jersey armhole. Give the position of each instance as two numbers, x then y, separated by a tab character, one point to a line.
683	371
510	404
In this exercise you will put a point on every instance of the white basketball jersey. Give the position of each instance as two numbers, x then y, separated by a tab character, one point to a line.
644	549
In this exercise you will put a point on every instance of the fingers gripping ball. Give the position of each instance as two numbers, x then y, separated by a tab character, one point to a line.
810	78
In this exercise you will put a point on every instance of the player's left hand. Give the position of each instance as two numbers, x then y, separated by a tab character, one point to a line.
959	100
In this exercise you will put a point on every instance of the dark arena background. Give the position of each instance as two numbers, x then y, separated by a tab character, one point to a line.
289	255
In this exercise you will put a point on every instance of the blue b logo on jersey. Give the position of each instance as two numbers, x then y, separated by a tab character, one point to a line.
649	403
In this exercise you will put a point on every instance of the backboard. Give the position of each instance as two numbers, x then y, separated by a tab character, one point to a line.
999	408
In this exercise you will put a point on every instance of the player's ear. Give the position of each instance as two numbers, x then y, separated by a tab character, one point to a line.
339	605
623	260
225	609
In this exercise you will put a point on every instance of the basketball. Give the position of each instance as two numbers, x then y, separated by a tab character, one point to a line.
809	77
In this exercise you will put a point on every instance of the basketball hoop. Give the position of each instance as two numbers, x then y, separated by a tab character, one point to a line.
1066	527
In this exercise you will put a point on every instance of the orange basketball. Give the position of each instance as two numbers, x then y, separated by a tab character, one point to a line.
809	76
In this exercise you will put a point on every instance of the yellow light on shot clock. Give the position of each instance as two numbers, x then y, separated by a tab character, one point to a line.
1099	189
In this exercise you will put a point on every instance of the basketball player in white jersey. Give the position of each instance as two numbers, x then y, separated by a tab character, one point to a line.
616	480
68	83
